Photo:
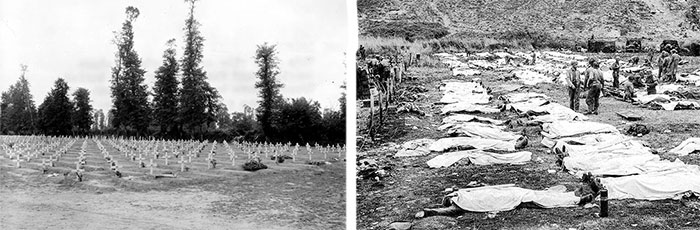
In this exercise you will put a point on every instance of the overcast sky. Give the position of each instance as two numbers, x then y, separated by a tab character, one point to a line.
72	39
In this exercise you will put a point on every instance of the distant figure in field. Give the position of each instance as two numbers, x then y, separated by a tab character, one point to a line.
616	72
594	83
573	83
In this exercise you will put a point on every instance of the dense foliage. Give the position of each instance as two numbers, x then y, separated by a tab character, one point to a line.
165	95
129	93
198	100
82	111
181	108
55	112
17	107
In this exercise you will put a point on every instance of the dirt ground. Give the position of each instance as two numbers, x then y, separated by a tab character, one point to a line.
291	195
411	186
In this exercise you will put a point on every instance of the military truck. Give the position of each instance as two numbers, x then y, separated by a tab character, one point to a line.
668	45
633	45
596	46
691	48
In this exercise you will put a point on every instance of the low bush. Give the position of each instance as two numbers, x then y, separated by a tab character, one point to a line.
254	164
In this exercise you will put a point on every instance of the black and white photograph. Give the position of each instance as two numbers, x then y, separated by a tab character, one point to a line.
513	114
160	114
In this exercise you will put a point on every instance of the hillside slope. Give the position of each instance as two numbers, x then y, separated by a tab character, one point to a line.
653	20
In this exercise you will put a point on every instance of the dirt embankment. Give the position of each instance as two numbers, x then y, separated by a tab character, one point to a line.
575	21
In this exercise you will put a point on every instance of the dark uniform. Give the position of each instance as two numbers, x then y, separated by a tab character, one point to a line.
675	60
661	64
573	80
651	82
594	82
616	73
629	90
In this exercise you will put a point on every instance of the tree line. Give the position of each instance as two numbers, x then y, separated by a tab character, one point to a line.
180	105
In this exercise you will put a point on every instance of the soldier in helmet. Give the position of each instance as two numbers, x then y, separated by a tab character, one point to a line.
594	83
651	82
573	83
662	64
675	60
616	72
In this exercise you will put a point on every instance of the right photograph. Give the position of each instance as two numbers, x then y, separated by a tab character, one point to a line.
512	114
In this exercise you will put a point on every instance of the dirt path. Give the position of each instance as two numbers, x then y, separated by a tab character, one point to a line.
180	209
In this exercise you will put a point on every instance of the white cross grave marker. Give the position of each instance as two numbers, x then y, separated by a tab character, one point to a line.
43	166
152	165
182	164
17	160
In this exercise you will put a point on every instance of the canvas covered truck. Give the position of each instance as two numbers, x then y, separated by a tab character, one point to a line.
668	45
597	46
633	45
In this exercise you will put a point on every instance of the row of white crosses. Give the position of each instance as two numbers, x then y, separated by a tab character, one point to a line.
231	153
252	149
82	161
30	147
132	147
56	156
20	147
112	163
181	150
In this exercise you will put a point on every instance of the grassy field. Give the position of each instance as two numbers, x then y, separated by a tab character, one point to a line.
411	186
290	195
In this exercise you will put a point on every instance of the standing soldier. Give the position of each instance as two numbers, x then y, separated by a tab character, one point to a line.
650	58
573	81
508	54
668	67
594	84
675	60
361	53
651	82
616	73
661	64
628	86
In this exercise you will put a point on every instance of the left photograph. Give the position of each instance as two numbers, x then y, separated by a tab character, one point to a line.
164	114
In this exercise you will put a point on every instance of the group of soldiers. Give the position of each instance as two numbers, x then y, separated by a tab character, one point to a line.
668	65
592	80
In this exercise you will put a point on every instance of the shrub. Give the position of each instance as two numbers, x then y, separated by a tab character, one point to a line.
254	164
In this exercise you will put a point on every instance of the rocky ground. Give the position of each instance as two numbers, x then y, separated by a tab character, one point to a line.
652	20
409	185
